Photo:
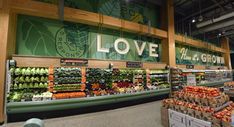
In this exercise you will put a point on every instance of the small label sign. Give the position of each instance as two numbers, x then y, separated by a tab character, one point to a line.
134	64
73	62
189	66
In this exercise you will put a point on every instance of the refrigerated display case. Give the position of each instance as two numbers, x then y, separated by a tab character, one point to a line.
210	77
59	88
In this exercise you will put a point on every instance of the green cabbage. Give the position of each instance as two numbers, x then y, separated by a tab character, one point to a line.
15	86
25	85
23	71
20	86
46	85
36	85
42	71
21	79
32	79
33	71
30	85
28	71
42	79
41	85
27	79
18	71
17	79
37	79
46	71
12	70
38	71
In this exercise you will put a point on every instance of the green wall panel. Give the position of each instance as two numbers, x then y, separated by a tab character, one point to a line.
47	37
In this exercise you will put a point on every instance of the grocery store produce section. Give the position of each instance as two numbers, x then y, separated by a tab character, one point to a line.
214	78
56	88
202	103
60	86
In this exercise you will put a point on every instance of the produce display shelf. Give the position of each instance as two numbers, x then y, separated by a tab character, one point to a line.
31	88
74	90
229	93
222	107
215	84
62	104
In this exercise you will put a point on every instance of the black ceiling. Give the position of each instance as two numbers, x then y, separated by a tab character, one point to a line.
216	19
217	15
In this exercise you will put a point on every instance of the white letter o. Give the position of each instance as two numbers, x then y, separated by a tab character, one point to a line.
117	41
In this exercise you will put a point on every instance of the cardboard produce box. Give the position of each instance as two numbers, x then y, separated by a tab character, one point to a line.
164	117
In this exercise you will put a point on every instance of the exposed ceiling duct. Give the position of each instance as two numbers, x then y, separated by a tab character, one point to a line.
215	20
215	26
228	33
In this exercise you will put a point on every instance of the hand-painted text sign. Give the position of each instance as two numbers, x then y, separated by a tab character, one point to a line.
191	55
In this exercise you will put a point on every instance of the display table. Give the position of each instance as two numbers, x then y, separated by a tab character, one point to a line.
177	119
198	104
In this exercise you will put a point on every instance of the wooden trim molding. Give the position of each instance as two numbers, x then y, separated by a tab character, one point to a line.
31	61
4	25
201	67
1	4
227	58
188	41
40	9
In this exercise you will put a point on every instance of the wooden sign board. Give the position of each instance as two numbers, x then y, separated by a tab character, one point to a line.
73	62
134	64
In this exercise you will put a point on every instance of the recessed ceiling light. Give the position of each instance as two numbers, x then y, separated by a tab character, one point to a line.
193	20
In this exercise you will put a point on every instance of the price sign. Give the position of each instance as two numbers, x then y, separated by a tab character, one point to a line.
190	66
134	64
191	79
73	62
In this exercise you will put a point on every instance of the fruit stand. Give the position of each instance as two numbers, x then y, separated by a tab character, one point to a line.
202	103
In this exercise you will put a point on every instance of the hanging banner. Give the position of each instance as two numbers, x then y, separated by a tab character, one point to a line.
190	55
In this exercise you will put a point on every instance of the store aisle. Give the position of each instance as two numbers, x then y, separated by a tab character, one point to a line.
142	115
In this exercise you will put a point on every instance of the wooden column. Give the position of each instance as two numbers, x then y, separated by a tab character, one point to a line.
4	23
226	55
168	45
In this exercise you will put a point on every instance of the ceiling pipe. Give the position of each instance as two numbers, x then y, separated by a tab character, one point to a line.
228	33
228	28
214	26
181	2
222	8
208	22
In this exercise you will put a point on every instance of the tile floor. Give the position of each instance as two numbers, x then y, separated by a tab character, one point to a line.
142	115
